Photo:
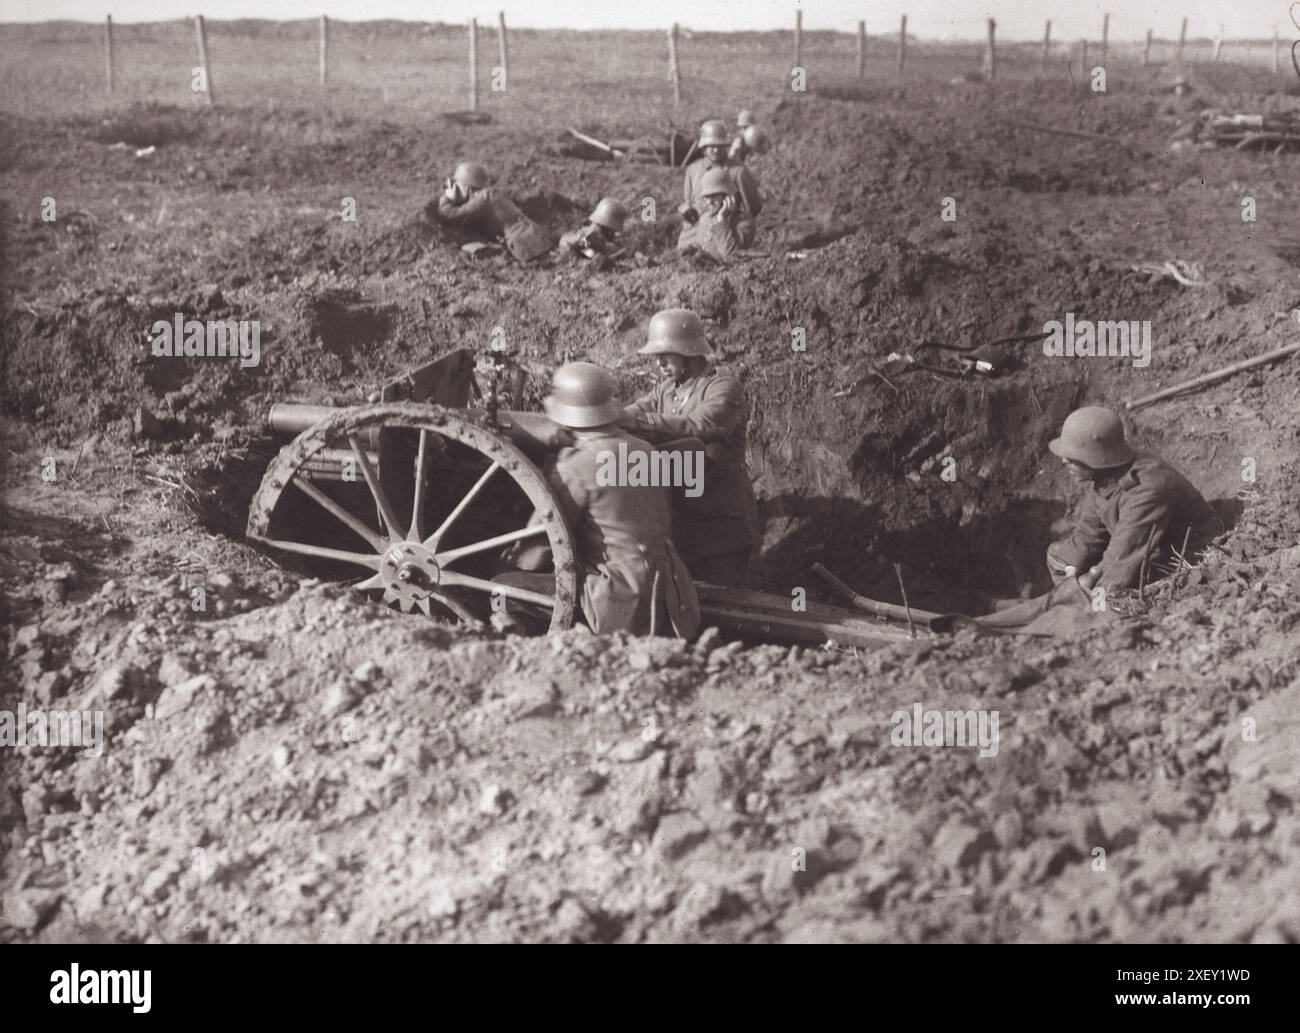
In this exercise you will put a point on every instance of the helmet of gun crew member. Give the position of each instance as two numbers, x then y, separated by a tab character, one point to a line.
714	133
471	175
582	395
1094	437
745	118
676	331
609	213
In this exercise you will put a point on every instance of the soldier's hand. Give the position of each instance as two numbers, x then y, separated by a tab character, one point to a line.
728	207
689	213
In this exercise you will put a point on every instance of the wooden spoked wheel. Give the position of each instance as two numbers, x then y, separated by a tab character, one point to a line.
413	505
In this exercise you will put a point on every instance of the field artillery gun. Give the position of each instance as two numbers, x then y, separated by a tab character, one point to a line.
410	499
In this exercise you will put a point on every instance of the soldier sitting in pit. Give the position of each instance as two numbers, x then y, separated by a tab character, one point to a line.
632	578
1136	511
480	214
718	232
714	142
598	236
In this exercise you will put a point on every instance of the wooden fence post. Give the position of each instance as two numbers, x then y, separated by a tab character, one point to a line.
674	70
473	64
503	53
324	50
1182	40
991	54
108	50
862	50
798	39
1146	51
203	59
902	48
1083	57
1105	38
1047	42
1218	44
1277	52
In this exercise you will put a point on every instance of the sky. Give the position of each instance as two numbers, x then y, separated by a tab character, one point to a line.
927	19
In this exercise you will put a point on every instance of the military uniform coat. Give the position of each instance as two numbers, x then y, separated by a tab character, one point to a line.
623	538
1150	502
712	408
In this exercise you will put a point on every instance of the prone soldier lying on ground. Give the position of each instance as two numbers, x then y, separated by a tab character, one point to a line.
1137	510
480	214
598	236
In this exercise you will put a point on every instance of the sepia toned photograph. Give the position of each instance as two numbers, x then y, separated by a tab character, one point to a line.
762	472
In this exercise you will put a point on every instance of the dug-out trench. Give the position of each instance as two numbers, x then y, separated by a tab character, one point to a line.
933	476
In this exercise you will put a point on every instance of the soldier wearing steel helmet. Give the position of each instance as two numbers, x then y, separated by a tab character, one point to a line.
1136	509
717	234
748	138
716	533
476	211
632	577
715	142
599	234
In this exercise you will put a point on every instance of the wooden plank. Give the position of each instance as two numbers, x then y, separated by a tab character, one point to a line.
770	618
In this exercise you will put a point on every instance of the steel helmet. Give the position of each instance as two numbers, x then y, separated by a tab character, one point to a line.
714	133
471	175
755	139
745	118
715	181
1094	437
610	213
676	331
582	395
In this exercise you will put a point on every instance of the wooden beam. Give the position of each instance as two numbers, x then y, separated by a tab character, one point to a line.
772	619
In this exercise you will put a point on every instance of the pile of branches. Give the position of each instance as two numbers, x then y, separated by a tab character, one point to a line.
1244	132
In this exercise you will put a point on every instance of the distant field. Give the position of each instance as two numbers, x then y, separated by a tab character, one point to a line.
407	70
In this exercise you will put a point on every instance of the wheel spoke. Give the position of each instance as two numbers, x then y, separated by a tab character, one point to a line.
523	595
372	482
368	560
432	541
330	506
451	555
454	605
374	581
421	483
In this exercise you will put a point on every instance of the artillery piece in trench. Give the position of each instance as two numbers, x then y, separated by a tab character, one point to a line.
411	499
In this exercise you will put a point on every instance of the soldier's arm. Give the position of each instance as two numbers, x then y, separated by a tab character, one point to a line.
460	214
1142	515
1086	542
720	411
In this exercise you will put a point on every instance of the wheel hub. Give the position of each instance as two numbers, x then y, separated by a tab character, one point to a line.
409	573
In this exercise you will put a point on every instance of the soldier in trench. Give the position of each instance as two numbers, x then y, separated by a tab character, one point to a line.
1136	512
715	142
632	577
717	234
699	404
480	214
598	236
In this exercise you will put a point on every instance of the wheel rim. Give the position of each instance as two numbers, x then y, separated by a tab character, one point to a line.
410	567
